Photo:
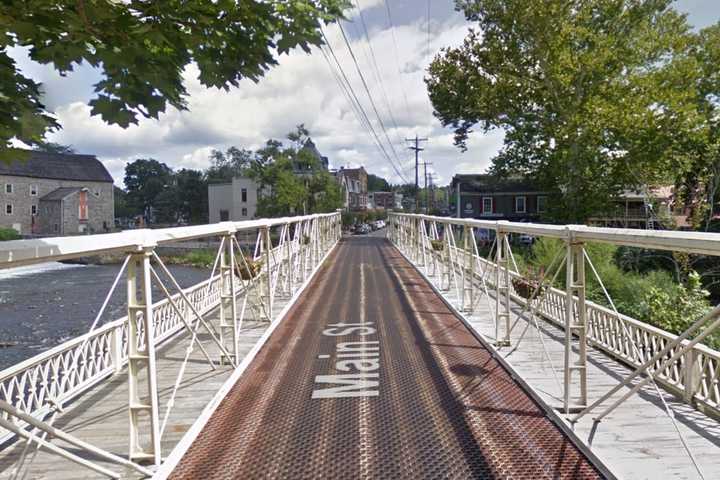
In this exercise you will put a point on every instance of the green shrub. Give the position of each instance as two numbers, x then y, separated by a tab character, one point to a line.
651	296
8	234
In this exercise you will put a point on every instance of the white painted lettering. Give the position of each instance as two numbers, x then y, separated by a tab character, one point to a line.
362	365
354	385
333	332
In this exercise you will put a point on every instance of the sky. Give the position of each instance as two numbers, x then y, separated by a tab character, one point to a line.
303	89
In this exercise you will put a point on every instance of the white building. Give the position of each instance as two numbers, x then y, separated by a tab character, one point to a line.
233	201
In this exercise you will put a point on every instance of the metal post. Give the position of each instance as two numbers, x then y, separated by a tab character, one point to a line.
692	374
502	288
143	404
116	349
268	270
468	279
228	300
575	324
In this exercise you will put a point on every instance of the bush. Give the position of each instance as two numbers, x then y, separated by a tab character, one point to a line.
8	234
651	296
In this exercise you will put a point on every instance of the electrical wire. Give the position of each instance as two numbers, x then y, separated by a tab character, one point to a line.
347	87
367	91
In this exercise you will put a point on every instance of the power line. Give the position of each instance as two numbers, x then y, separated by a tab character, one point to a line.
367	90
397	54
378	76
428	57
351	95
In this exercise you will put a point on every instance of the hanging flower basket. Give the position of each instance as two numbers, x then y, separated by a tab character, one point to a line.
249	269
527	289
437	245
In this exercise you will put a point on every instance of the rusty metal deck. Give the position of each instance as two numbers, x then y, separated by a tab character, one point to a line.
372	376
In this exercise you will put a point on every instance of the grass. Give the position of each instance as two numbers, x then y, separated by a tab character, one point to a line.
8	234
195	258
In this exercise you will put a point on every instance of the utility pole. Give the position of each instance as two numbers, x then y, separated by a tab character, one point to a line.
417	150
431	193
427	198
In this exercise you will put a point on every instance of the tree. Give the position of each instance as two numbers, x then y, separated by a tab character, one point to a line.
122	209
145	179
51	147
234	162
192	195
325	195
377	184
591	94
142	49
291	179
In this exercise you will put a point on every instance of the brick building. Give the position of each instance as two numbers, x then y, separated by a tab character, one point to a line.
354	180
486	196
56	194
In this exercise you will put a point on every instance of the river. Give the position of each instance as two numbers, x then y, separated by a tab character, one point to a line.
44	305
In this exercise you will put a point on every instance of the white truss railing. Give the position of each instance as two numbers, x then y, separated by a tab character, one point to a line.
42	384
694	375
50	376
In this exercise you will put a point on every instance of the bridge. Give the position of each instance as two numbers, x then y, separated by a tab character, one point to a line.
308	354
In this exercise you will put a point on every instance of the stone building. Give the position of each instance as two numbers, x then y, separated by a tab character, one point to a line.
56	194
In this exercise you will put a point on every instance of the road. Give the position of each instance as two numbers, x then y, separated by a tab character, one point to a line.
372	376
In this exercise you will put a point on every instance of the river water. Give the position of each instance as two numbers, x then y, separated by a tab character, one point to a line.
44	305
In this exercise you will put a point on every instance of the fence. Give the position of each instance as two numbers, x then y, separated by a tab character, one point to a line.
689	370
278	266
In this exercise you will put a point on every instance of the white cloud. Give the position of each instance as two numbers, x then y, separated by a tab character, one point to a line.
301	89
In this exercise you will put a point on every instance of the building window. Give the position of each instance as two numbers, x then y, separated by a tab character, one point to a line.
541	201
224	215
244	212
33	190
243	195
519	204
8	188
83	206
8	209
33	210
487	205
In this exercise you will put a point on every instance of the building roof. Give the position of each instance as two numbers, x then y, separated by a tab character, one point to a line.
59	194
58	166
492	184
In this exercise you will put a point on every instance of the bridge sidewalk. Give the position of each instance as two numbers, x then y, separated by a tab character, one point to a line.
100	416
637	440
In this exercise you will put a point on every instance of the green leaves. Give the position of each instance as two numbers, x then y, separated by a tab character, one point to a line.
594	96
143	48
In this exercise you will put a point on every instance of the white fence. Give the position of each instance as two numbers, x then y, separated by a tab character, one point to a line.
55	377
693	376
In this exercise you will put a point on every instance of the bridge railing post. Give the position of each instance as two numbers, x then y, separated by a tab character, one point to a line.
142	374
502	287
267	254
575	324
228	293
468	279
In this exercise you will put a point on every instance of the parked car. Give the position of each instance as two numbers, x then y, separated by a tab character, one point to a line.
525	239
362	229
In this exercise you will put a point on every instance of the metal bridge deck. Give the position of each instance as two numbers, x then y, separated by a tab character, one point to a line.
431	400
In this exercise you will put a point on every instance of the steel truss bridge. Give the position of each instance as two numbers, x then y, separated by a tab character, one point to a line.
406	354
